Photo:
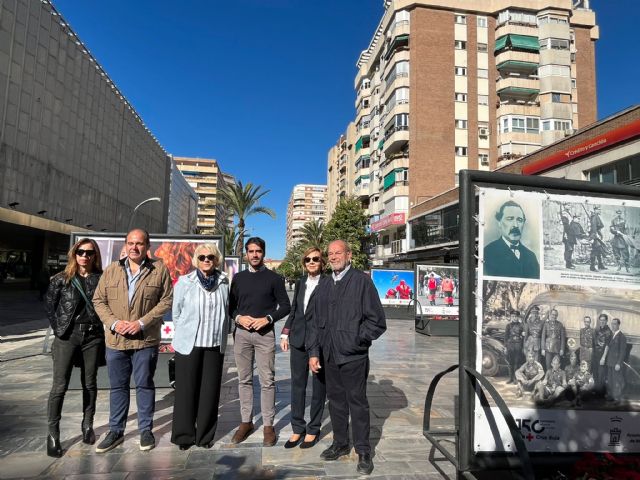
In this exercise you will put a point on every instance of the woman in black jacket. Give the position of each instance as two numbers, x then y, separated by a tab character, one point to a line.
78	334
293	339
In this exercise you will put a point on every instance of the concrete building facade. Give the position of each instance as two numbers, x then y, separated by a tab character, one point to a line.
307	203
74	153
206	178
183	204
452	84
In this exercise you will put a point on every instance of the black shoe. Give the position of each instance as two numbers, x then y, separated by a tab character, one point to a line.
365	464
111	441
335	451
147	441
88	435
311	443
294	443
206	445
54	449
186	446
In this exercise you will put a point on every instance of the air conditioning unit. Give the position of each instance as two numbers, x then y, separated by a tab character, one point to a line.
568	132
483	132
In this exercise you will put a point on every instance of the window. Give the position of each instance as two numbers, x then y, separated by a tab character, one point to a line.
574	83
482	47
483	73
460	45
461	151
517	124
558	125
546	125
556	98
554	43
482	22
550	19
461	71
626	171
401	69
483	159
483	99
533	125
521	124
516	17
554	71
573	57
461	97
461	19
462	124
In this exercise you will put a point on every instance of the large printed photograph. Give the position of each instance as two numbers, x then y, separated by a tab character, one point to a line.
175	251
437	291
596	239
395	287
561	347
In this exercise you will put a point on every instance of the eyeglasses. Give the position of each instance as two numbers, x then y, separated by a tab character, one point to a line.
311	259
82	253
202	258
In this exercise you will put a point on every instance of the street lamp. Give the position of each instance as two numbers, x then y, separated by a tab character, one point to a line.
133	214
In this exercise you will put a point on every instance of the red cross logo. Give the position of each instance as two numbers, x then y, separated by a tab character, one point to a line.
529	437
167	329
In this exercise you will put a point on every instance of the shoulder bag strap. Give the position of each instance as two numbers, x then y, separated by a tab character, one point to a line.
76	283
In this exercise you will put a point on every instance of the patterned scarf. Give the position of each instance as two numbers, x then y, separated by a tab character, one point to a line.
208	282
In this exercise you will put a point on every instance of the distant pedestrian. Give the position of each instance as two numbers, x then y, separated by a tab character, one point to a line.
132	296
257	300
293	340
201	322
78	334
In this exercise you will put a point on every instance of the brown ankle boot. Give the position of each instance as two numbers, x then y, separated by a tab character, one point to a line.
244	430
269	439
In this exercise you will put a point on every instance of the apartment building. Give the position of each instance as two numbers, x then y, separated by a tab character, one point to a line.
307	203
206	178
446	85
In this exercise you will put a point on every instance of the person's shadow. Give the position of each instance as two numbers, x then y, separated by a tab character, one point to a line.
387	398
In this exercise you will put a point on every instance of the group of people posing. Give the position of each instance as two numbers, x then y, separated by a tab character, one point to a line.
330	326
536	354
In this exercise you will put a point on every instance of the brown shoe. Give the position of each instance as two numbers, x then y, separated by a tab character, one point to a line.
270	438
244	430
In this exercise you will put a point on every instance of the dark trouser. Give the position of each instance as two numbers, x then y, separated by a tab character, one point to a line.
347	394
599	371
195	409
88	343
568	253
615	383
515	358
299	376
121	364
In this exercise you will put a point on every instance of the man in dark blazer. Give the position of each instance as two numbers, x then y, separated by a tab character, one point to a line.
615	356
507	256
347	317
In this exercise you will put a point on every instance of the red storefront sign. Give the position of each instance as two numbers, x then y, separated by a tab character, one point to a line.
384	222
593	145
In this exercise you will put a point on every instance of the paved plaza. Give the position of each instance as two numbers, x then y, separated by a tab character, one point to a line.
402	365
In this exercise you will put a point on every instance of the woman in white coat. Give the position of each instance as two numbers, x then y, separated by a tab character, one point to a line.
201	324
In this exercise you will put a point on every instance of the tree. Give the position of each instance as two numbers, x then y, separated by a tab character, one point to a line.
243	201
230	235
313	233
349	223
290	268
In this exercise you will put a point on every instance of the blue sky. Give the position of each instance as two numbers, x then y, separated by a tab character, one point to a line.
266	86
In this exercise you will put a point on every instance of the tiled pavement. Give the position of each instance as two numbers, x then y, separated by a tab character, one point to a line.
402	365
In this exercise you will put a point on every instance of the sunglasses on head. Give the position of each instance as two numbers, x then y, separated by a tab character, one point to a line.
202	258
311	259
85	253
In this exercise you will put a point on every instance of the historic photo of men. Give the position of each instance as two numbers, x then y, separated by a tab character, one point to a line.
511	242
562	347
588	237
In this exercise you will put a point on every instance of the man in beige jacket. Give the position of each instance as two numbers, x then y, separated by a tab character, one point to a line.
132	296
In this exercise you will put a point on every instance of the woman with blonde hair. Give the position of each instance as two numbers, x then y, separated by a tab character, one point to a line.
293	339
201	325
78	334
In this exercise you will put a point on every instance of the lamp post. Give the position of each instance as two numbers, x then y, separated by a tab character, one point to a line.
133	214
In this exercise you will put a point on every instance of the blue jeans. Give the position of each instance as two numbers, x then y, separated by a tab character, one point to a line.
121	364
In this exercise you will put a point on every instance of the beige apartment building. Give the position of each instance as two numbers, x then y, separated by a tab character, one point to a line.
206	178
307	203
446	85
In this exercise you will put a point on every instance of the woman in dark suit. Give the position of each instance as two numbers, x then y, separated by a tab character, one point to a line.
293	340
78	334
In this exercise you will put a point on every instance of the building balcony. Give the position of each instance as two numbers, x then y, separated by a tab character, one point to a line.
400	106
519	137
362	93
556	110
517	56
396	80
395	139
396	57
516	29
399	246
398	160
517	82
399	42
399	189
522	107
551	56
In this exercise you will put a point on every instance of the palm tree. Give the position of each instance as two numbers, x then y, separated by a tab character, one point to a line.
313	233
243	201
230	235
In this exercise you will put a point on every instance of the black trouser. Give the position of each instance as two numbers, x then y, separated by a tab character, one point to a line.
514	358
88	341
347	394
195	409
299	358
